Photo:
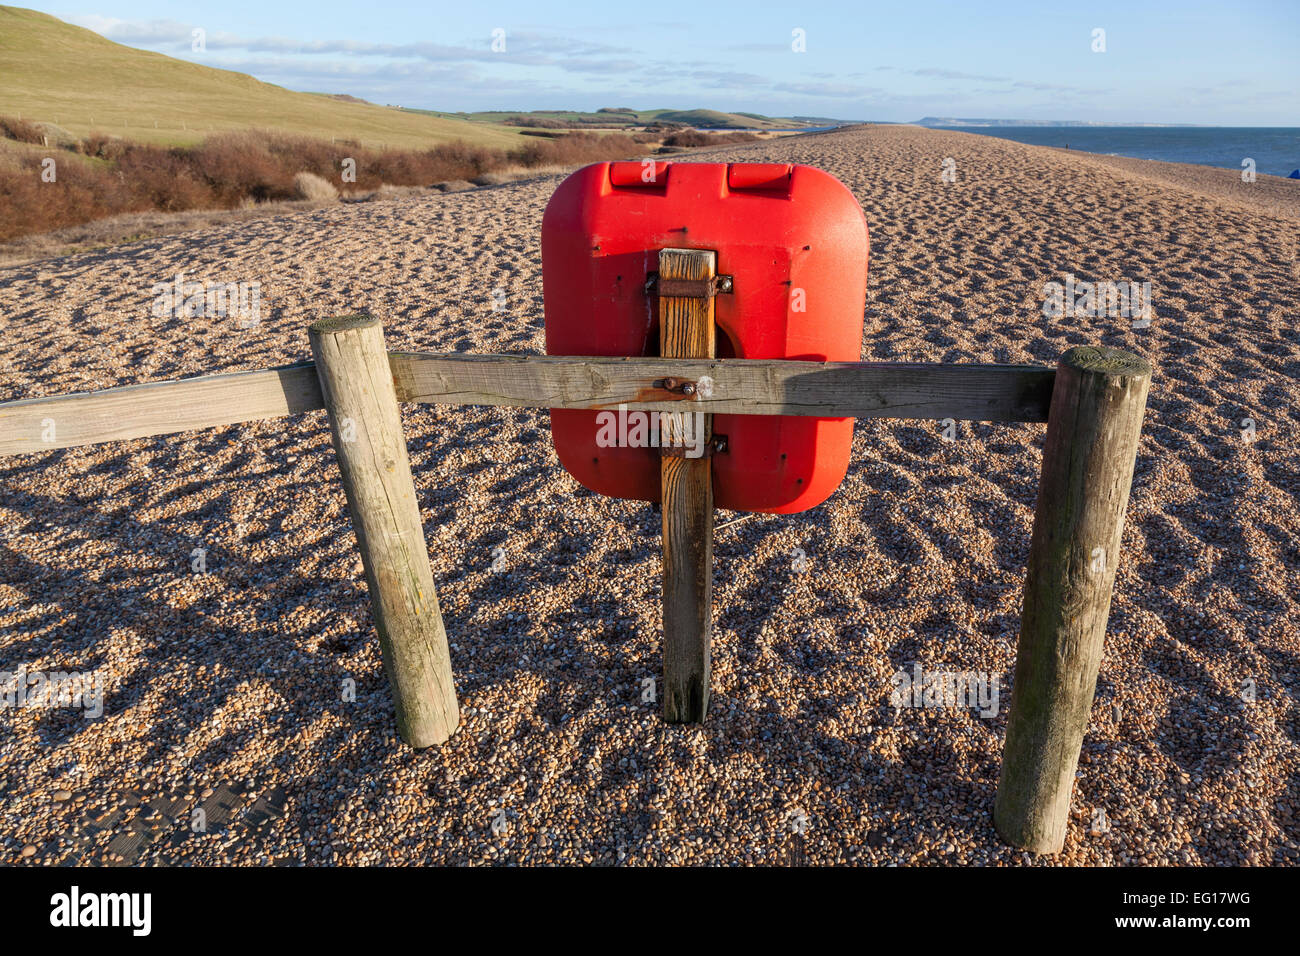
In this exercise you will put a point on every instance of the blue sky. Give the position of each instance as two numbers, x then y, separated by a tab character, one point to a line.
1192	62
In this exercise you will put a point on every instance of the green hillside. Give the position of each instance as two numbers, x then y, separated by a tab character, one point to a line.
711	119
53	72
717	120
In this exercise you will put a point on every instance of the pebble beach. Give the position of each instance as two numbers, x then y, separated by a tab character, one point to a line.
212	579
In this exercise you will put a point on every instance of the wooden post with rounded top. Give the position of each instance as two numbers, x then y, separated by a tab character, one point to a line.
1093	427
355	380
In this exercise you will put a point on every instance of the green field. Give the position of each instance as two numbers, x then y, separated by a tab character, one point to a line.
709	119
53	72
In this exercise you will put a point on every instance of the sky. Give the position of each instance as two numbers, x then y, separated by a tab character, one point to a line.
1218	64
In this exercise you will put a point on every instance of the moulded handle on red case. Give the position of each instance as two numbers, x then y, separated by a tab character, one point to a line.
769	177
645	173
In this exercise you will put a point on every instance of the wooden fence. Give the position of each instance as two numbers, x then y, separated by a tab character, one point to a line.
1093	404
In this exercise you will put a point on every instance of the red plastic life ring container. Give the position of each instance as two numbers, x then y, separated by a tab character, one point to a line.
795	241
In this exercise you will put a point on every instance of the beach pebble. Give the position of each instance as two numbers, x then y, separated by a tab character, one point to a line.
261	665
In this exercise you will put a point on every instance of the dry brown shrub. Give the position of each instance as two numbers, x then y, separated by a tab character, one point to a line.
536	122
79	192
24	132
576	148
693	137
103	146
233	170
310	186
166	179
238	165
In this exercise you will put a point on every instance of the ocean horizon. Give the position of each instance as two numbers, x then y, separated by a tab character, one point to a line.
1275	149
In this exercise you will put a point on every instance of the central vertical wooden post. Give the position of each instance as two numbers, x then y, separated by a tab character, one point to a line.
686	331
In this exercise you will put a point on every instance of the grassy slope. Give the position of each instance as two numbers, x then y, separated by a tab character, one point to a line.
706	118
51	71
715	118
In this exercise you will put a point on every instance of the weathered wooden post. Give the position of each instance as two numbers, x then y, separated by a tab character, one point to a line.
686	330
357	386
1092	439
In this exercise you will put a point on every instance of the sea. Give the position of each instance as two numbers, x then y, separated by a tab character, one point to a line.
1275	149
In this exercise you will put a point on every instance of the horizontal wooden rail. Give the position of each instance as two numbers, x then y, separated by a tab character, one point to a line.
1008	393
157	408
1003	393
